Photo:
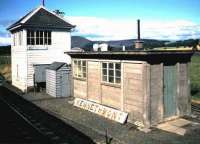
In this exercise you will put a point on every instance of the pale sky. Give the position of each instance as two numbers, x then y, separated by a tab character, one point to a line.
114	19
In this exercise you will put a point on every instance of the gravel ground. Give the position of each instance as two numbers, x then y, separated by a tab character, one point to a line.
96	126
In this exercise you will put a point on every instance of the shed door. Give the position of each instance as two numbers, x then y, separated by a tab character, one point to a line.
65	84
170	86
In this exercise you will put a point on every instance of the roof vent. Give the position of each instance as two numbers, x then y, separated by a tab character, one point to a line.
100	47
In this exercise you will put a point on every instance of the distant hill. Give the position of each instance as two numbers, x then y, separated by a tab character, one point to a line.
78	41
5	50
183	43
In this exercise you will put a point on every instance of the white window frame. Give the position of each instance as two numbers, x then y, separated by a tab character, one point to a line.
114	73
79	70
35	37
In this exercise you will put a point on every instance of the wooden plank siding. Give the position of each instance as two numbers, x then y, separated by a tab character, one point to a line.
133	91
141	92
51	82
111	96
170	90
94	80
156	93
183	97
80	88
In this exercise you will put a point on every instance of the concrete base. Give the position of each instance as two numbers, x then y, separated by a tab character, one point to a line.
175	126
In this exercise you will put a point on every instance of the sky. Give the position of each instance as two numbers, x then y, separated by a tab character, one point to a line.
114	19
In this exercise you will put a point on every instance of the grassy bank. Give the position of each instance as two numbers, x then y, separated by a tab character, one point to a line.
195	77
5	70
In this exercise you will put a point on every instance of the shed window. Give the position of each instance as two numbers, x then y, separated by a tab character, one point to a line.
111	72
79	68
38	37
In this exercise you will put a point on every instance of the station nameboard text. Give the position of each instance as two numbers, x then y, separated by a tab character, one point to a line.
104	111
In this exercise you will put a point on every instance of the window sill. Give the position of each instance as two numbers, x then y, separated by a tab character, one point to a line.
81	79
111	84
38	47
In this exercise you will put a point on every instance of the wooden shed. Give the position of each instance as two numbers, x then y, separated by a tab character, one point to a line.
151	86
58	79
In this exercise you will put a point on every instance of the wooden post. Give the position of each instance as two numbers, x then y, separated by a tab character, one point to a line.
122	86
146	85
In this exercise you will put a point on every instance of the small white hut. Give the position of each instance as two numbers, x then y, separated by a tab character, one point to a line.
58	80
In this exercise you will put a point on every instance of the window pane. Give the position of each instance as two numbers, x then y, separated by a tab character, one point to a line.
84	69
45	34
45	41
32	33
79	63
84	63
104	65
118	73
105	78
118	66
37	33
111	79
41	41
49	34
41	33
110	65
84	75
37	41
105	72
28	41
111	73
28	33
49	41
79	69
118	80
32	41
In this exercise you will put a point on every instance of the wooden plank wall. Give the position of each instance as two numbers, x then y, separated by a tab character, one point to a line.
133	91
80	88
156	93
111	96
183	97
51	82
94	80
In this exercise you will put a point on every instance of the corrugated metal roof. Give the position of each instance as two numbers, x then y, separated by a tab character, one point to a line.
56	65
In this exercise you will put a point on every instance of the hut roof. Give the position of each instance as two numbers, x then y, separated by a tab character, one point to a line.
56	65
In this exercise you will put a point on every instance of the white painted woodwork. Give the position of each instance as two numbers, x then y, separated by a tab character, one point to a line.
24	58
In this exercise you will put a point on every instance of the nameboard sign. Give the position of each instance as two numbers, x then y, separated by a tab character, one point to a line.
101	110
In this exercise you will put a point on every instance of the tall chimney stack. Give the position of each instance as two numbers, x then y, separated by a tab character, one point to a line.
138	42
138	29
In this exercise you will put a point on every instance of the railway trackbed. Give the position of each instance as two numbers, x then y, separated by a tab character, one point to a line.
15	128
43	127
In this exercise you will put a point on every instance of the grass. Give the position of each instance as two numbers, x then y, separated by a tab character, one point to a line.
195	77
5	70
